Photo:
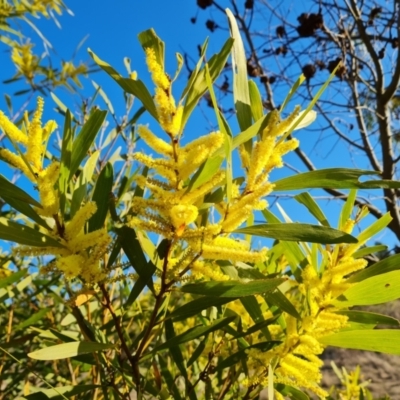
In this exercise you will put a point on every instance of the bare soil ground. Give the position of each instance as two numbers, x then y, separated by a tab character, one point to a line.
383	370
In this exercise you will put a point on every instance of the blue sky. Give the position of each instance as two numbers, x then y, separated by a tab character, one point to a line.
111	29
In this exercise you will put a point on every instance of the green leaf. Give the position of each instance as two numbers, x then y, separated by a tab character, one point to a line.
135	87
312	206
364	317
225	129
199	85
62	107
149	39
67	350
332	178
195	333
291	392
277	298
180	60
381	340
85	139
253	308
298	232
80	187
195	307
196	70
175	351
17	233
373	229
232	288
14	277
248	134
197	352
101	196
257	109
33	319
207	170
365	251
376	290
306	114
104	97
239	69
347	209
60	392
169	380
389	264
243	354
65	161
292	91
133	250
9	190
25	209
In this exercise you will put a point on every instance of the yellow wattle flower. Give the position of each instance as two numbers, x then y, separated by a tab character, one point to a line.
12	131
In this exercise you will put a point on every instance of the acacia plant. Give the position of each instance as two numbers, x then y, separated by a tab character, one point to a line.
148	282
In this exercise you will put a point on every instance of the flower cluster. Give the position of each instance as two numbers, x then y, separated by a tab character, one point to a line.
82	251
31	162
173	207
295	360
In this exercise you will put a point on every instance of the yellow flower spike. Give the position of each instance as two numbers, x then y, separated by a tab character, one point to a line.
302	373
158	75
194	195
151	226
176	121
244	157
154	142
163	167
201	269
12	131
285	147
291	325
275	160
348	226
242	209
46	180
212	141
75	226
236	218
202	233
346	268
183	215
24	60
261	154
35	137
252	198
71	265
85	241
329	322
92	273
48	129
17	162
223	241
311	343
40	251
276	127
195	153
213	252
157	187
